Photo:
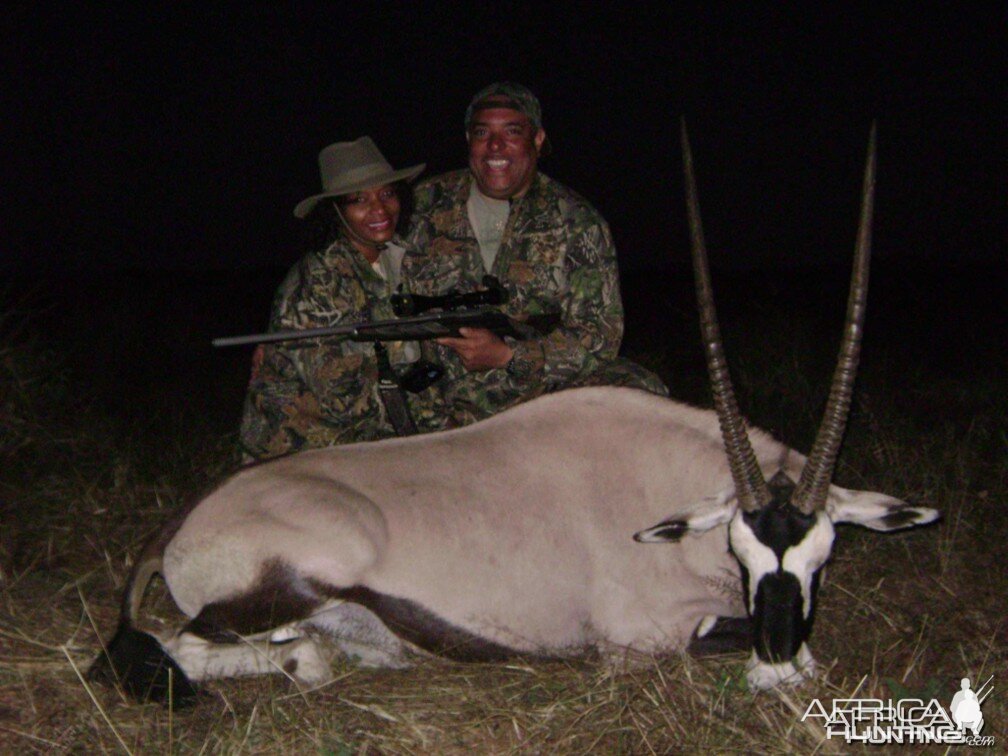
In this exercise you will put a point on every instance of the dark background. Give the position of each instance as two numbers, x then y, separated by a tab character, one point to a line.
164	137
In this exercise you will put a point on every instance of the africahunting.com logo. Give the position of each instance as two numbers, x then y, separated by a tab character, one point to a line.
907	720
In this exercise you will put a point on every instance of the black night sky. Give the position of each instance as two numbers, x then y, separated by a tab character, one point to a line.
176	136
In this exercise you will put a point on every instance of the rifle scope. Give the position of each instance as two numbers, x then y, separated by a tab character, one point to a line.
404	305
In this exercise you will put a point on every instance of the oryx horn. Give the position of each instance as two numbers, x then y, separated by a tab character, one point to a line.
813	486
750	487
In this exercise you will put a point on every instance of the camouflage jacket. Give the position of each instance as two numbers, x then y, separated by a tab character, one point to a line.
309	394
556	255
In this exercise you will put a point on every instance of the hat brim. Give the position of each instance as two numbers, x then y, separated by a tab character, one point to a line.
305	206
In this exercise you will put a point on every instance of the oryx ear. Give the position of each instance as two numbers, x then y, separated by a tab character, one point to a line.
699	518
875	510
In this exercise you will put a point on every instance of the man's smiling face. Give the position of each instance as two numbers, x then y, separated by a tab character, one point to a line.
503	151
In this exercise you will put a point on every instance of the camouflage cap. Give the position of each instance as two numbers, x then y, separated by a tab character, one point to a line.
510	94
507	94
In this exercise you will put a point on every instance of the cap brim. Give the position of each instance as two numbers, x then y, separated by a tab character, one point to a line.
305	206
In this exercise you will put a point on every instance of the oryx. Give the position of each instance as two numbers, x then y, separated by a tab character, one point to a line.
519	535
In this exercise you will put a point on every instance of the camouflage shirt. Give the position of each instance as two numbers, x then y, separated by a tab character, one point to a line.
309	393
556	255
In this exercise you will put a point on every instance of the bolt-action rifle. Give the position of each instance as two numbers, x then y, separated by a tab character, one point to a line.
469	310
456	311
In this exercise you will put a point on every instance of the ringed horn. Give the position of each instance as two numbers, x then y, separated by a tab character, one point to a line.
751	489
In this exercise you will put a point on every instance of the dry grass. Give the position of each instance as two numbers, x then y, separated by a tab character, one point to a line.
81	487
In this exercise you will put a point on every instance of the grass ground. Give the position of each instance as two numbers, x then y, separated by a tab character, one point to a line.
113	412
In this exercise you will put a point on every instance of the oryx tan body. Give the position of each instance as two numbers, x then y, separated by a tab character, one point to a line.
517	529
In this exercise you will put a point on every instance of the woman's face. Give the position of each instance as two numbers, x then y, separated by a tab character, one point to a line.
372	214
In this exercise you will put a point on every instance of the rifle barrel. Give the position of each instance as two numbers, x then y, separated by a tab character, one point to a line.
268	338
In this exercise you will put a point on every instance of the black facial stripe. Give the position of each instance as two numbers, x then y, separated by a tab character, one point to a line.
779	624
745	582
779	527
813	593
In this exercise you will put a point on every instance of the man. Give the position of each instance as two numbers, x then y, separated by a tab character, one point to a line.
549	248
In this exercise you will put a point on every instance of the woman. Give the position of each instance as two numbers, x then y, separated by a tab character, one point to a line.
310	393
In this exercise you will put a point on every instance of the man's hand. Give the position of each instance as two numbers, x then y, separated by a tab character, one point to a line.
478	348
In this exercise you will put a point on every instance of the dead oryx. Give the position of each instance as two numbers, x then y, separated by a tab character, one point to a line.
388	551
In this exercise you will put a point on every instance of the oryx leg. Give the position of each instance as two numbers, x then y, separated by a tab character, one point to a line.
286	651
359	634
721	635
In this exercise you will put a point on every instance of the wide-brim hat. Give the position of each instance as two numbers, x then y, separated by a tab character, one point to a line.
351	166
